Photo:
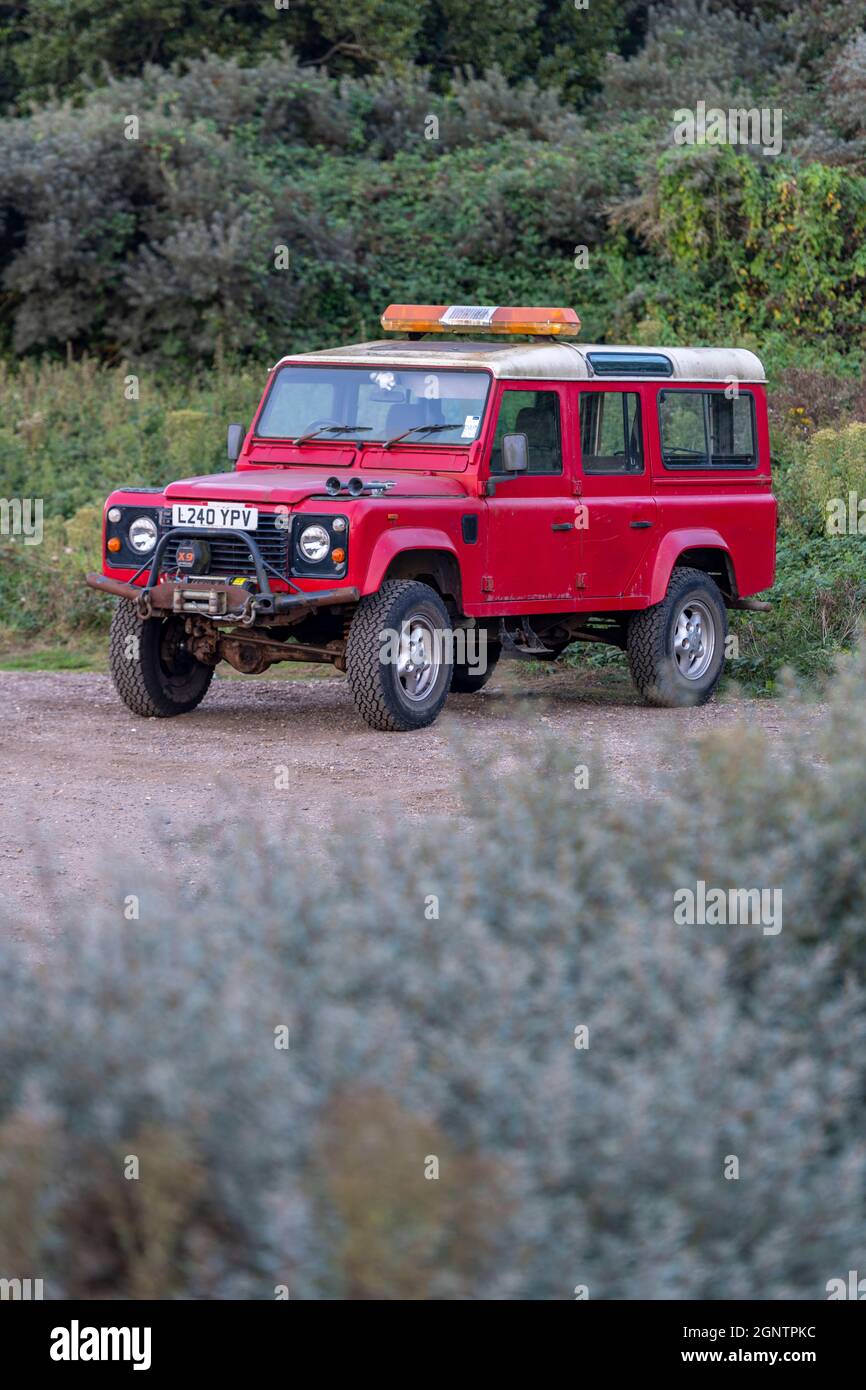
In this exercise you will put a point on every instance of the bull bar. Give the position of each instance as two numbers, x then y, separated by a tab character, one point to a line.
214	598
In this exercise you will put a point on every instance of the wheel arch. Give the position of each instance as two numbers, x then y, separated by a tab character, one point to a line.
703	550
432	564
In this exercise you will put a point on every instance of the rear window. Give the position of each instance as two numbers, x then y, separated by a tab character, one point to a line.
707	429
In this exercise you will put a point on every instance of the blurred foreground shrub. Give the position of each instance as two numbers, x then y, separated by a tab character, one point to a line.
432	988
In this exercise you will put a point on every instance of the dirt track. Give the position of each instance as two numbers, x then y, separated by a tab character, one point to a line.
84	780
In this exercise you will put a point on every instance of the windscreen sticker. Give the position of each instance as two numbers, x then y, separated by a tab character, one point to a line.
386	381
470	426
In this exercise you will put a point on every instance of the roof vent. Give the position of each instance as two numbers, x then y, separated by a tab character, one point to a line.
630	364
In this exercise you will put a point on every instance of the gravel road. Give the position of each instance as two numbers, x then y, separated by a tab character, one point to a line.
85	782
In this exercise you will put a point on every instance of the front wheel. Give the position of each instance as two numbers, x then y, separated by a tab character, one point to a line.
676	649
153	672
398	656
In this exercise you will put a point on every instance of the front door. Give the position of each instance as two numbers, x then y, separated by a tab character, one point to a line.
532	539
620	510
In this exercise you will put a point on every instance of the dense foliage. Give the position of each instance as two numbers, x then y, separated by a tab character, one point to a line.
430	1017
62	46
436	151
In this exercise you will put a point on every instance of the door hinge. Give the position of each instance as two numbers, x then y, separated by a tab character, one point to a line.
580	581
578	487
486	584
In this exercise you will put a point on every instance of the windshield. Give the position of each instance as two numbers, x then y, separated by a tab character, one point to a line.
374	405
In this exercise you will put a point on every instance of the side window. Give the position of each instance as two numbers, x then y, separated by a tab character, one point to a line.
732	430
611	438
535	414
706	429
683	429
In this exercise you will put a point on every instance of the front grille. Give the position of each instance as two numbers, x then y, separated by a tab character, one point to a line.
229	556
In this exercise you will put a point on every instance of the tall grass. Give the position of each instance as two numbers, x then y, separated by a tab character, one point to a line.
69	433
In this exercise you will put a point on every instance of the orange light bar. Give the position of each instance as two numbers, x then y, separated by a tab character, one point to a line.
479	318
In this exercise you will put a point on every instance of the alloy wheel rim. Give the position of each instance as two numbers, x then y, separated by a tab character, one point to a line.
418	659
694	639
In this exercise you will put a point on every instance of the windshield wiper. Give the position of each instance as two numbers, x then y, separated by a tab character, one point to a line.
330	429
418	429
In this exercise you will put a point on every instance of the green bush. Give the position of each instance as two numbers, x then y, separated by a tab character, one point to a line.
170	241
833	467
69	434
49	49
161	248
804	399
818	608
42	589
431	1004
748	246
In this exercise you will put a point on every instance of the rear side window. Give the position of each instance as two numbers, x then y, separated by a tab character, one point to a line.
611	439
707	429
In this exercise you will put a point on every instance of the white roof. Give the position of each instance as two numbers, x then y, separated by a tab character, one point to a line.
553	359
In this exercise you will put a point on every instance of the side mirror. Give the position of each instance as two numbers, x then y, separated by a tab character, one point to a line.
515	453
234	441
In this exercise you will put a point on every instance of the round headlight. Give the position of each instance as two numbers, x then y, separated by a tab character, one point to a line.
314	543
114	514
143	534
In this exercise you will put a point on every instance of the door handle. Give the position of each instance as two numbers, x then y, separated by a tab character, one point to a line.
640	525
562	526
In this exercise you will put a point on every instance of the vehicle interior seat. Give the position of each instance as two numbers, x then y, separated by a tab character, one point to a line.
538	423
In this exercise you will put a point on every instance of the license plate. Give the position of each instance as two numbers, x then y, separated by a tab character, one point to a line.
214	516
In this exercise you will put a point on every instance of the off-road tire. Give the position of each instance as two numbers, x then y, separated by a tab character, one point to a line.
375	684
650	646
142	679
465	681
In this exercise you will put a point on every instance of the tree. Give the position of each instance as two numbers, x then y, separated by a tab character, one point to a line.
369	32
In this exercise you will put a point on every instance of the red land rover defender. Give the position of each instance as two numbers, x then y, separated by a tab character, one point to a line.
411	510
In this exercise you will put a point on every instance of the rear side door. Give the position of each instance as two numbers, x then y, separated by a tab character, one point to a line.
532	540
619	511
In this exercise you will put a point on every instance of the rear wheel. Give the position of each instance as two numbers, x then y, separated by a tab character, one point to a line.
153	672
398	657
676	649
